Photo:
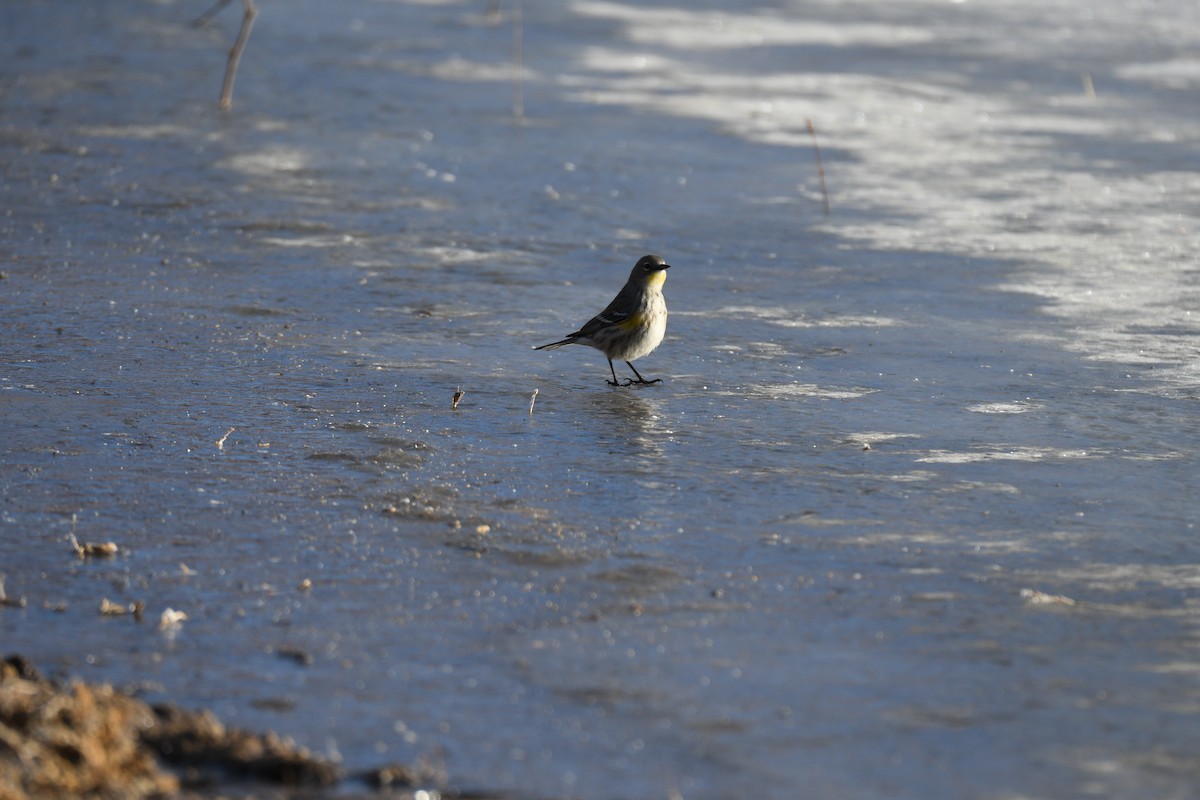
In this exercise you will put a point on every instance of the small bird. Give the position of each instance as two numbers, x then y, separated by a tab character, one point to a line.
634	322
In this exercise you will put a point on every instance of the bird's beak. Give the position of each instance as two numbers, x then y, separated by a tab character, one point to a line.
665	266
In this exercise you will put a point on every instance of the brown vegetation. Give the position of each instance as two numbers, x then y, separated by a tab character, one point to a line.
93	740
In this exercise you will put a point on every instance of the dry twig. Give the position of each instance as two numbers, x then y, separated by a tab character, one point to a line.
812	131
249	12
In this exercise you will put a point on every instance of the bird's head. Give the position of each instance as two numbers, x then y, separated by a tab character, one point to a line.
650	270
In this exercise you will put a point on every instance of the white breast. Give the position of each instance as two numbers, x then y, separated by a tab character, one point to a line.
654	331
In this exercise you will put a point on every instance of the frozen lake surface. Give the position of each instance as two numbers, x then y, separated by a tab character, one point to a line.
912	514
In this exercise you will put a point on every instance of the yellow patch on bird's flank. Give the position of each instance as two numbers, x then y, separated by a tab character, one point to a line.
657	279
631	323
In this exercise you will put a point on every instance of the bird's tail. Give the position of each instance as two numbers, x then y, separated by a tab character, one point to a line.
554	345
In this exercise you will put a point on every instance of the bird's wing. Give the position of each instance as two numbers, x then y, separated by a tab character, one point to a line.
602	320
620	309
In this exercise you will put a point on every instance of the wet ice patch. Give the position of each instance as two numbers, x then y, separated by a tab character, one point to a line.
142	132
677	27
1130	577
268	162
1006	454
872	438
1013	407
780	391
330	240
791	318
453	254
1097	201
1177	73
771	351
841	321
980	486
454	68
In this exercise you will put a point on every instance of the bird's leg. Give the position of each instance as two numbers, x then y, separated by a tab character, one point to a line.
614	381
640	379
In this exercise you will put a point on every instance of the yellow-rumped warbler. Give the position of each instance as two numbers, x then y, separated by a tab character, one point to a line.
634	322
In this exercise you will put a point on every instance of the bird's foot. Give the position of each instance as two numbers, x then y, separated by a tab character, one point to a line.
639	381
